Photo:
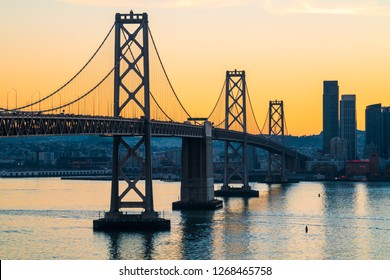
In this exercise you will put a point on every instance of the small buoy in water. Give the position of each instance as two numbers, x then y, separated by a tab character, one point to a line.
306	229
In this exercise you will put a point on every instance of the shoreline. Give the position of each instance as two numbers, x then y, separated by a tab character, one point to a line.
105	175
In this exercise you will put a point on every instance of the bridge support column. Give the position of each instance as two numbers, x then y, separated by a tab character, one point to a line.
131	85
276	162
197	183
236	165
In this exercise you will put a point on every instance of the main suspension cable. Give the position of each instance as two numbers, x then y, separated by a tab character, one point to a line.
219	97
165	73
220	123
87	93
285	123
265	122
253	113
79	98
67	83
158	105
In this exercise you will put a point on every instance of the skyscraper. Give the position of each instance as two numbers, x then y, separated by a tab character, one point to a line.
386	134
348	123
330	114
374	130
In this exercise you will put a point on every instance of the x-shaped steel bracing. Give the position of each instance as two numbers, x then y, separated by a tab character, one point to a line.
131	54
276	163
235	114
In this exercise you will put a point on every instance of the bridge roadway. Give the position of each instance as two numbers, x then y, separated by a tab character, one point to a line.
26	124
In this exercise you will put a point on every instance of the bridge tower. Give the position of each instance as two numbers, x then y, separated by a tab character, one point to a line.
276	162
235	154
131	86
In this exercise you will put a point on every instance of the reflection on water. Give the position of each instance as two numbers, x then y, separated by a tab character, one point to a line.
193	239
196	238
235	235
52	219
123	245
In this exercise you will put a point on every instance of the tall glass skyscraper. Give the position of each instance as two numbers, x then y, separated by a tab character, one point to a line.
374	130
348	124
330	114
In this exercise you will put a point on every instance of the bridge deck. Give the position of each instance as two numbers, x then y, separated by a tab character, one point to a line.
16	125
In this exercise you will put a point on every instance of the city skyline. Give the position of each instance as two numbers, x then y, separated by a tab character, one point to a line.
287	50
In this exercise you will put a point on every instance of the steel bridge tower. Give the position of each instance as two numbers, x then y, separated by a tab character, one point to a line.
276	162
235	154
131	86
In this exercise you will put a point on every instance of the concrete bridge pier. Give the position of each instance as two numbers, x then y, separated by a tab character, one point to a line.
197	183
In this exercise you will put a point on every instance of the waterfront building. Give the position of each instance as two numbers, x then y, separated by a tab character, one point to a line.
356	169
374	165
328	168
348	124
330	113
386	132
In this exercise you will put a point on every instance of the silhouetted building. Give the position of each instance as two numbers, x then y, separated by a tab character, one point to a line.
252	158
387	170
374	130
329	168
338	148
378	130
348	123
374	165
357	168
386	132
330	114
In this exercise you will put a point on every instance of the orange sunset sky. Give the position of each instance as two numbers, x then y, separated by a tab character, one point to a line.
287	48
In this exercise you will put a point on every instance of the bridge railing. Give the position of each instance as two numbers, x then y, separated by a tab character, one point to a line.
12	125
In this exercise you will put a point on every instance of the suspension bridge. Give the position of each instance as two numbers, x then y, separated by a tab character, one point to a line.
135	97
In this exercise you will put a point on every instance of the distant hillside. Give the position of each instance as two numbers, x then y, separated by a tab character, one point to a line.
90	139
307	144
311	144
